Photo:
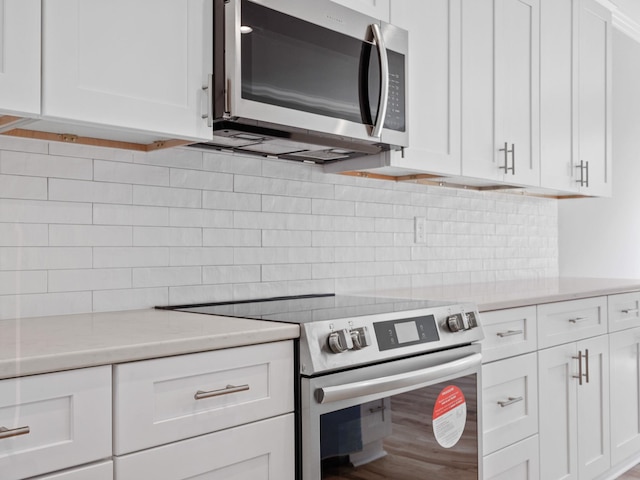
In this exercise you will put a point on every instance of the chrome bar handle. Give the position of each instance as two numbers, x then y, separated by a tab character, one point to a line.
384	80
209	89
509	333
581	167
630	310
577	319
14	432
200	394
586	364
579	376
510	401
587	168
506	157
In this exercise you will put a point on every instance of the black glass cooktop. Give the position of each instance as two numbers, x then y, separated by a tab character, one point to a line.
308	308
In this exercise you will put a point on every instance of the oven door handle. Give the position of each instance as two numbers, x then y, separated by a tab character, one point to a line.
394	384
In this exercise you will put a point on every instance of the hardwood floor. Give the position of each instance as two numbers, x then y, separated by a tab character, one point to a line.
633	474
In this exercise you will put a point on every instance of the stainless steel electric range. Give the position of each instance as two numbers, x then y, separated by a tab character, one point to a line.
387	388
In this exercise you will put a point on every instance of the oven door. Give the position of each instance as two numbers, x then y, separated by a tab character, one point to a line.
410	419
318	66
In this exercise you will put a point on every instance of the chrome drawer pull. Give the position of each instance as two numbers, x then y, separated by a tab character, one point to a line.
200	394
630	310
510	401
576	320
8	433
509	333
580	374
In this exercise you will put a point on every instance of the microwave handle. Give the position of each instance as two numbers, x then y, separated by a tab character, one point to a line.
384	80
398	383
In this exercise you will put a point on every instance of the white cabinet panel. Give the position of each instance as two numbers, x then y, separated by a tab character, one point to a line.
508	332
20	56
68	415
133	65
258	451
434	84
98	471
155	400
516	462
624	311
572	320
375	8
509	401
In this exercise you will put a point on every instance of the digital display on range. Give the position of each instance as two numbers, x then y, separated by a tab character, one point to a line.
404	332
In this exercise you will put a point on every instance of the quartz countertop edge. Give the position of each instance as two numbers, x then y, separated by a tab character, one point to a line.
35	345
501	295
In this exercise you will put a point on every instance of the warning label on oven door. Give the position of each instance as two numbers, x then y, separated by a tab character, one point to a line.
449	416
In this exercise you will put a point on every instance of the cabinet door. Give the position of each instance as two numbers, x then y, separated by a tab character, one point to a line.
558	110
375	8
515	462
625	394
96	471
434	83
594	98
262	450
593	409
20	56
517	90
558	415
500	90
135	65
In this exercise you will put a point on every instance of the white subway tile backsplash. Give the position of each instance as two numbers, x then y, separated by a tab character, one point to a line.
24	235
39	165
167	237
44	258
87	228
89	236
89	279
130	215
83	191
37	211
16	186
21	282
119	172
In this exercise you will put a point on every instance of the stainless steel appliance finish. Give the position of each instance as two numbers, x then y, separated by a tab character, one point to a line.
306	80
383	383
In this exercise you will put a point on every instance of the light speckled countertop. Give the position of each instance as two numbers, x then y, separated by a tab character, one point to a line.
46	344
518	293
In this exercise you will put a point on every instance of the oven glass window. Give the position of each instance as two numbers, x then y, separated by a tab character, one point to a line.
429	433
295	64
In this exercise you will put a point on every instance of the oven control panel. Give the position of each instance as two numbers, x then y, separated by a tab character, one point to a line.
404	332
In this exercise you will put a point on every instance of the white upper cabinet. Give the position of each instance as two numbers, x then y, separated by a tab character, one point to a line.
594	100
575	97
139	66
20	57
500	90
434	84
375	8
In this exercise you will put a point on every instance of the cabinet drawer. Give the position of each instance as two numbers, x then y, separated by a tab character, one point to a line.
155	400
508	333
68	415
509	401
569	321
98	471
516	462
624	311
262	450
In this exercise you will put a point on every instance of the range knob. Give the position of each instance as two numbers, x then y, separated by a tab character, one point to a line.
455	323
340	341
360	338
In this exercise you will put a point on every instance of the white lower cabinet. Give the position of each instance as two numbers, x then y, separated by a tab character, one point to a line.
98	471
257	451
574	409
515	462
625	394
54	421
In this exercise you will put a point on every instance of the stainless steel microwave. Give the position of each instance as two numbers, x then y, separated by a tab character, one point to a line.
307	80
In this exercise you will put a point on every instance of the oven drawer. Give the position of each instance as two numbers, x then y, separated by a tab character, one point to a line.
573	320
516	462
624	311
54	421
509	401
259	450
508	332
163	400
